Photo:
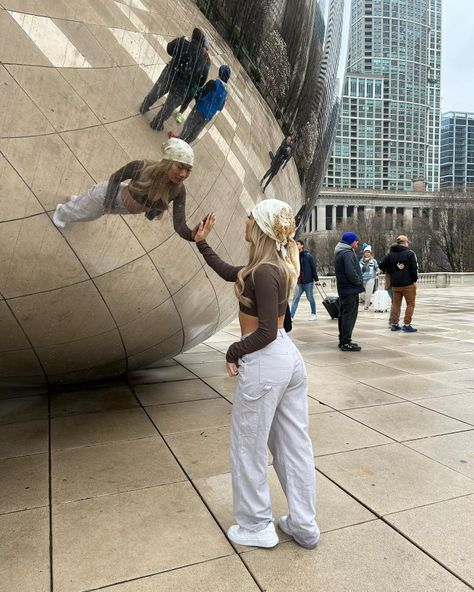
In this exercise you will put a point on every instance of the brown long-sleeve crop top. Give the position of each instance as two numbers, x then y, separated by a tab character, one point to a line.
132	171
268	292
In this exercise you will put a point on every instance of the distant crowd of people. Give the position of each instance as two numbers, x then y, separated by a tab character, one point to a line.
357	273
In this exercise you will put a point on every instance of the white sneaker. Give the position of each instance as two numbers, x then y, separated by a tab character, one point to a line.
312	317
283	525
263	538
56	219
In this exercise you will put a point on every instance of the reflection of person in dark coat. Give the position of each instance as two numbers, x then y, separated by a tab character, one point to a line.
186	70
282	154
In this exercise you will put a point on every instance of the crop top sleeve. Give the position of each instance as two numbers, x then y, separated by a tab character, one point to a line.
129	171
267	287
266	290
226	271
179	216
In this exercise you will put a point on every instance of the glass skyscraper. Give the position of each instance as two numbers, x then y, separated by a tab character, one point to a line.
457	151
389	125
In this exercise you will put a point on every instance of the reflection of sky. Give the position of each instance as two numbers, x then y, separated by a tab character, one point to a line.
457	76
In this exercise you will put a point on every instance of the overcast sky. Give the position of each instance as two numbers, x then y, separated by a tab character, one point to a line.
457	66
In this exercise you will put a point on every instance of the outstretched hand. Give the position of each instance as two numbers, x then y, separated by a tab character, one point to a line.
204	227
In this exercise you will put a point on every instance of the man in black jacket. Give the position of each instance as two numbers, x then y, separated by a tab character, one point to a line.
186	69
349	286
401	265
307	277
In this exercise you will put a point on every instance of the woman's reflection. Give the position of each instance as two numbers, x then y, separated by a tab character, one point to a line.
139	187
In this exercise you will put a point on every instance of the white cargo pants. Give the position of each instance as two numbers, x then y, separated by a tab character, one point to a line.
87	206
271	407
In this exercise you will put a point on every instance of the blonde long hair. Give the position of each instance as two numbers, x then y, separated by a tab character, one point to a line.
263	249
152	181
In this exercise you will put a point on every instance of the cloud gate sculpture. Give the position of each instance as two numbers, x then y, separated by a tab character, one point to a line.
98	298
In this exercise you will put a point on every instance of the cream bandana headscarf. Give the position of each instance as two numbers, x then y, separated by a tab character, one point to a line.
276	219
178	151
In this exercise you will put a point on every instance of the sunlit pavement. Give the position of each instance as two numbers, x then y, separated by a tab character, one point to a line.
126	486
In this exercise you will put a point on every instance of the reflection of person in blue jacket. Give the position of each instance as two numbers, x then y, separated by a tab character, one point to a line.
209	101
308	276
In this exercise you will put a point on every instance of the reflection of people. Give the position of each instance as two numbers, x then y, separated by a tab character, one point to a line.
209	101
138	187
369	268
186	69
402	266
349	286
195	88
293	147
308	275
270	402
278	160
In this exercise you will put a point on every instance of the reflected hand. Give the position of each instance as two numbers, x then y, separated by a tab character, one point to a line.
204	227
232	369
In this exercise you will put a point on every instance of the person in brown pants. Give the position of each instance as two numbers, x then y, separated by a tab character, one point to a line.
401	265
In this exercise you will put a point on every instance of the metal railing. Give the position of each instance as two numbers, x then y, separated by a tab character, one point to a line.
425	280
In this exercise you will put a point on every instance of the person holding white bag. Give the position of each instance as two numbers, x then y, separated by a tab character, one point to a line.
370	270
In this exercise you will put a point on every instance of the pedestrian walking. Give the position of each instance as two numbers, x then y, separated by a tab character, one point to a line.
307	278
278	160
186	69
193	91
270	404
209	101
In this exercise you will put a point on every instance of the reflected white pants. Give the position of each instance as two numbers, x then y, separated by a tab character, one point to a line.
271	407
369	290
87	206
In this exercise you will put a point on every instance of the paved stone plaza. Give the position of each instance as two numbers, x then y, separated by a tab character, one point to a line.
126	486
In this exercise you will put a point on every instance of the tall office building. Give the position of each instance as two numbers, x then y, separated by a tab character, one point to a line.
389	125
457	151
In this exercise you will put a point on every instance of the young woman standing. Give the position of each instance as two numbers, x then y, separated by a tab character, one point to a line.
270	404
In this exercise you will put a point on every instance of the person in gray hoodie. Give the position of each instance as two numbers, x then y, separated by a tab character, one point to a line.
349	286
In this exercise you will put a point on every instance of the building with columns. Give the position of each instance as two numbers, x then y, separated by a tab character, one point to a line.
336	208
388	134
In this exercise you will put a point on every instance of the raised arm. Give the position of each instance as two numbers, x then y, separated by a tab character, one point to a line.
130	171
179	216
226	271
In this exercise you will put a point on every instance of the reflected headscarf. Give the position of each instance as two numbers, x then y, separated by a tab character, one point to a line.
178	151
276	219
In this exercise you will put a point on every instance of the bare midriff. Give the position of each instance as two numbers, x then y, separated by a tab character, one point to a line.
249	324
132	206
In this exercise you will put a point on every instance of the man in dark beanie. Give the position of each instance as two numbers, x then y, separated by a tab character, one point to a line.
349	286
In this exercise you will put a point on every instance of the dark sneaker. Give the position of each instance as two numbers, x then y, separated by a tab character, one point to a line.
395	328
351	342
409	329
144	109
156	127
350	347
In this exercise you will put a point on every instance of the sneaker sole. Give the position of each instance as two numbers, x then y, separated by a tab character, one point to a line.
287	531
263	545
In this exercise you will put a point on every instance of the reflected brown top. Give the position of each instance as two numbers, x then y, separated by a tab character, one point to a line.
267	290
152	204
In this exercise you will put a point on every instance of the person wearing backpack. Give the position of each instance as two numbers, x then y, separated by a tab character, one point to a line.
209	101
185	70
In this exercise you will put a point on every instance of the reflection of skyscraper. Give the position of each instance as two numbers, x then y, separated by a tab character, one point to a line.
457	151
389	126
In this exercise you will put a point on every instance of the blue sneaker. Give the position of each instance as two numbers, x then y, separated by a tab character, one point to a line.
395	328
409	329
